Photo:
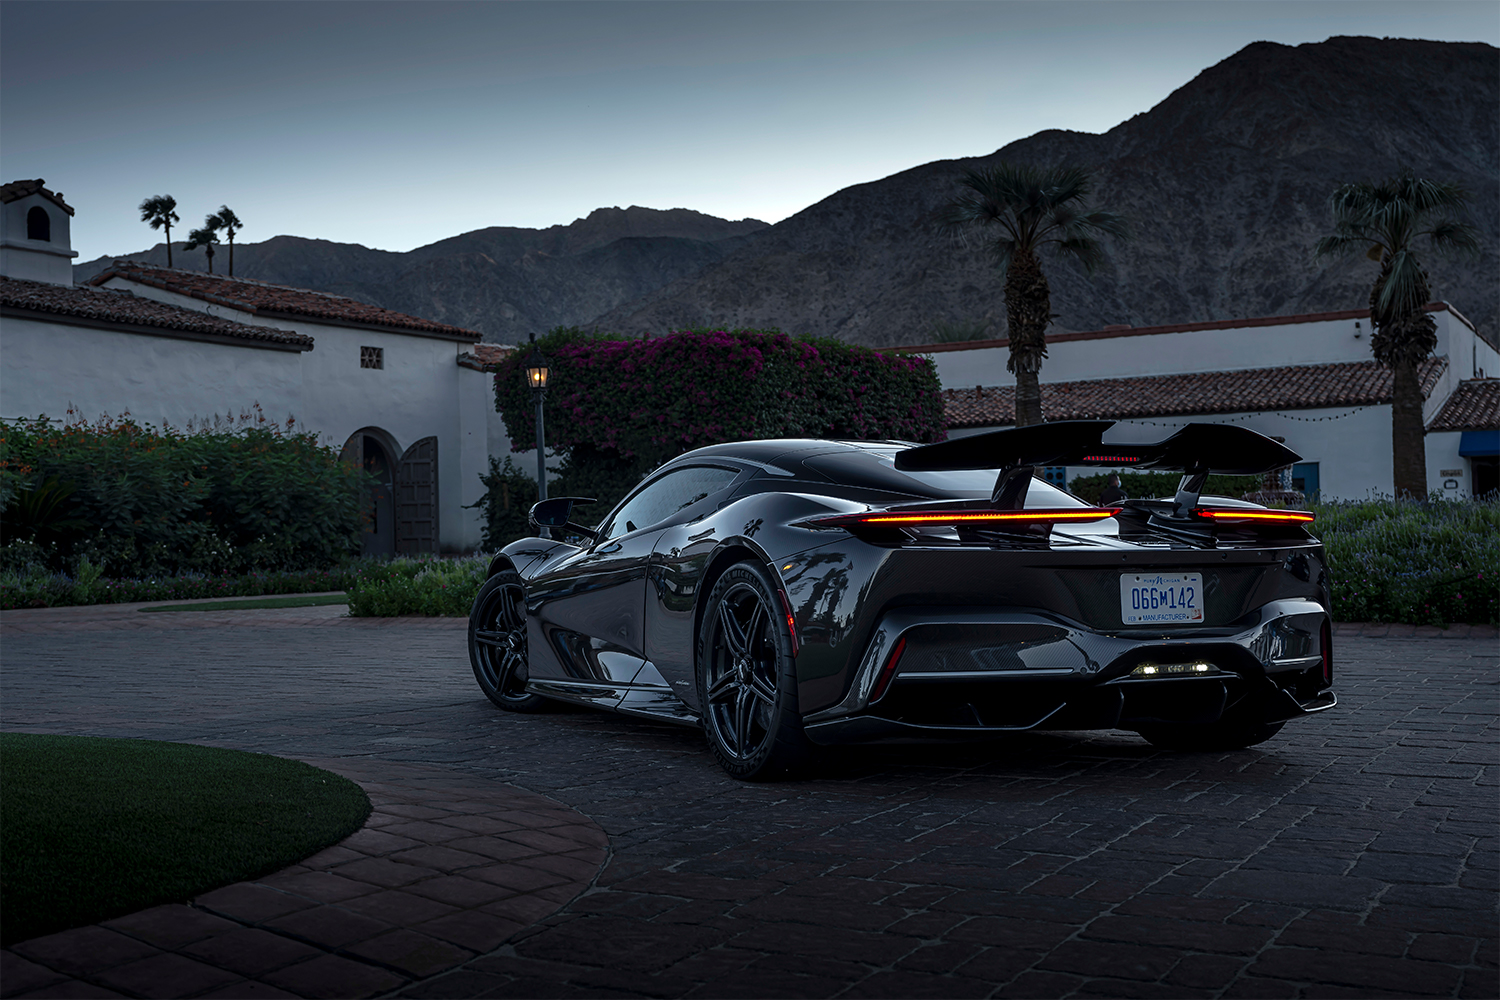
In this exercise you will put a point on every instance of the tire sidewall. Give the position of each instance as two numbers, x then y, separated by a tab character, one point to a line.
787	747
477	618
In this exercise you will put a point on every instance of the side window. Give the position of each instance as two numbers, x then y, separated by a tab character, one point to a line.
669	494
38	224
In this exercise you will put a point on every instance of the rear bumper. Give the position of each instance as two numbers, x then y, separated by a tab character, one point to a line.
970	673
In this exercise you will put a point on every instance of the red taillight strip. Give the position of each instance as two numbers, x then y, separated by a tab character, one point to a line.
971	516
1235	514
889	671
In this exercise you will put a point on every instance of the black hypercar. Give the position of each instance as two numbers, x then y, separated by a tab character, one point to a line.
793	593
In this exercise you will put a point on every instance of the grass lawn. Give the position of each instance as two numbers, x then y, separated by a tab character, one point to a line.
298	601
96	828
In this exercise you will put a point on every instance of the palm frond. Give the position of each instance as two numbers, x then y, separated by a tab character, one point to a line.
1403	290
1085	249
1453	235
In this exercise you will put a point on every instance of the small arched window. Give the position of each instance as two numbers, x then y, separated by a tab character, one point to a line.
38	224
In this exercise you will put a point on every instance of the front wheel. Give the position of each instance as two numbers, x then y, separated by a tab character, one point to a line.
497	642
747	679
1213	736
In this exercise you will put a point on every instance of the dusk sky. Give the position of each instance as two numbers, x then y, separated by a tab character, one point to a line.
395	124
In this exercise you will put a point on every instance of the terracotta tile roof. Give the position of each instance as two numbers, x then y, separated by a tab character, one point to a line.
484	357
112	307
262	298
1124	330
16	190
1300	387
1474	406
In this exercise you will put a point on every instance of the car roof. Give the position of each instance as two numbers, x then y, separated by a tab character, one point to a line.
787	453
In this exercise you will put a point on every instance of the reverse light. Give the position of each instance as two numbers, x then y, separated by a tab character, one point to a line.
895	519
1241	514
884	680
1196	668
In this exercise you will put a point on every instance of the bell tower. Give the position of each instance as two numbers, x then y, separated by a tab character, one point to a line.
36	240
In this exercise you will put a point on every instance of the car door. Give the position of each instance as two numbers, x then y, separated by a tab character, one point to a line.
588	610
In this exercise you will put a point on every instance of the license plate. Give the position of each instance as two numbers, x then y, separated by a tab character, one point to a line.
1161	598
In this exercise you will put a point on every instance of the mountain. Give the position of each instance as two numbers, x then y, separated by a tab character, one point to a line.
1226	183
505	282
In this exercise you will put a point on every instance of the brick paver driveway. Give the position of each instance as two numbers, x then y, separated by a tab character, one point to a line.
1355	855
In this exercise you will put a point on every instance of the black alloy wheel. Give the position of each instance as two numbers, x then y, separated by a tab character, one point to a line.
497	642
747	681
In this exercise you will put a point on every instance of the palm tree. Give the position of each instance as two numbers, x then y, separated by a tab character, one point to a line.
205	237
231	224
1032	207
161	212
1384	221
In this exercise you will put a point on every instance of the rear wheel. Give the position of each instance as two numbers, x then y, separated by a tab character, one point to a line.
497	643
747	680
1215	736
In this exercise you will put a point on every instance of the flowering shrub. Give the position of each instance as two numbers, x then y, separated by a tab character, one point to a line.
619	407
241	496
651	400
1420	563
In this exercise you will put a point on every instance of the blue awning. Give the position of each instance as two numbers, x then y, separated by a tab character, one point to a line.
1479	444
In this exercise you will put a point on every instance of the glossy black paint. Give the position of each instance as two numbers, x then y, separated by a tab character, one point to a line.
614	622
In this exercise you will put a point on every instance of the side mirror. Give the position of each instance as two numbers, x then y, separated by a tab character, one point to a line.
553	513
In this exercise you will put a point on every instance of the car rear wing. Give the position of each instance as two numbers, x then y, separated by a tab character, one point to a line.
1196	450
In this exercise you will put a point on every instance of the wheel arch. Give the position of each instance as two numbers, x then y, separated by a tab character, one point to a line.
498	564
731	552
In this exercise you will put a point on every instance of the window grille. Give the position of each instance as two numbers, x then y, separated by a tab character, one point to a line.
372	357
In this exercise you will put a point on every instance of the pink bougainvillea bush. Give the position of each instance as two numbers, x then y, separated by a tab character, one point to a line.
650	400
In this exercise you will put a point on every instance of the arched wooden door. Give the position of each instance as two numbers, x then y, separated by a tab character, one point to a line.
417	498
373	451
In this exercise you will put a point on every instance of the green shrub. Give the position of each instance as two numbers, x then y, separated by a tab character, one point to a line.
430	586
135	501
1419	563
38	587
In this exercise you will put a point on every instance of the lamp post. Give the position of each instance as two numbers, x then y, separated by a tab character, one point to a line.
536	377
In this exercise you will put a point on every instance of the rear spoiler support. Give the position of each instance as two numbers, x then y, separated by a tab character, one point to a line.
1196	450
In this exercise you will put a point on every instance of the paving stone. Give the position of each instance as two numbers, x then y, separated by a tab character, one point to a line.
249	990
249	951
328	926
1043	865
165	975
84	950
334	976
17	975
250	903
411	953
171	926
73	989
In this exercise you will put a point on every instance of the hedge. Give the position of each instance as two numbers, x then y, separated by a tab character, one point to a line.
137	501
620	407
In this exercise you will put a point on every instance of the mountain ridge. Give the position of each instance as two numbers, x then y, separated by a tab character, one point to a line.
1226	180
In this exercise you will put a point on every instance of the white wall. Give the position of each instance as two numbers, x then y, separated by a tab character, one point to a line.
44	367
422	391
1124	356
1443	460
34	260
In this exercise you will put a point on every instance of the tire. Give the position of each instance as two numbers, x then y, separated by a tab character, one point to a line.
497	643
747	679
1216	736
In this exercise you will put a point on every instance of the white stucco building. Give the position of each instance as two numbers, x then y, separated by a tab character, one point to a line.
1308	379
402	396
